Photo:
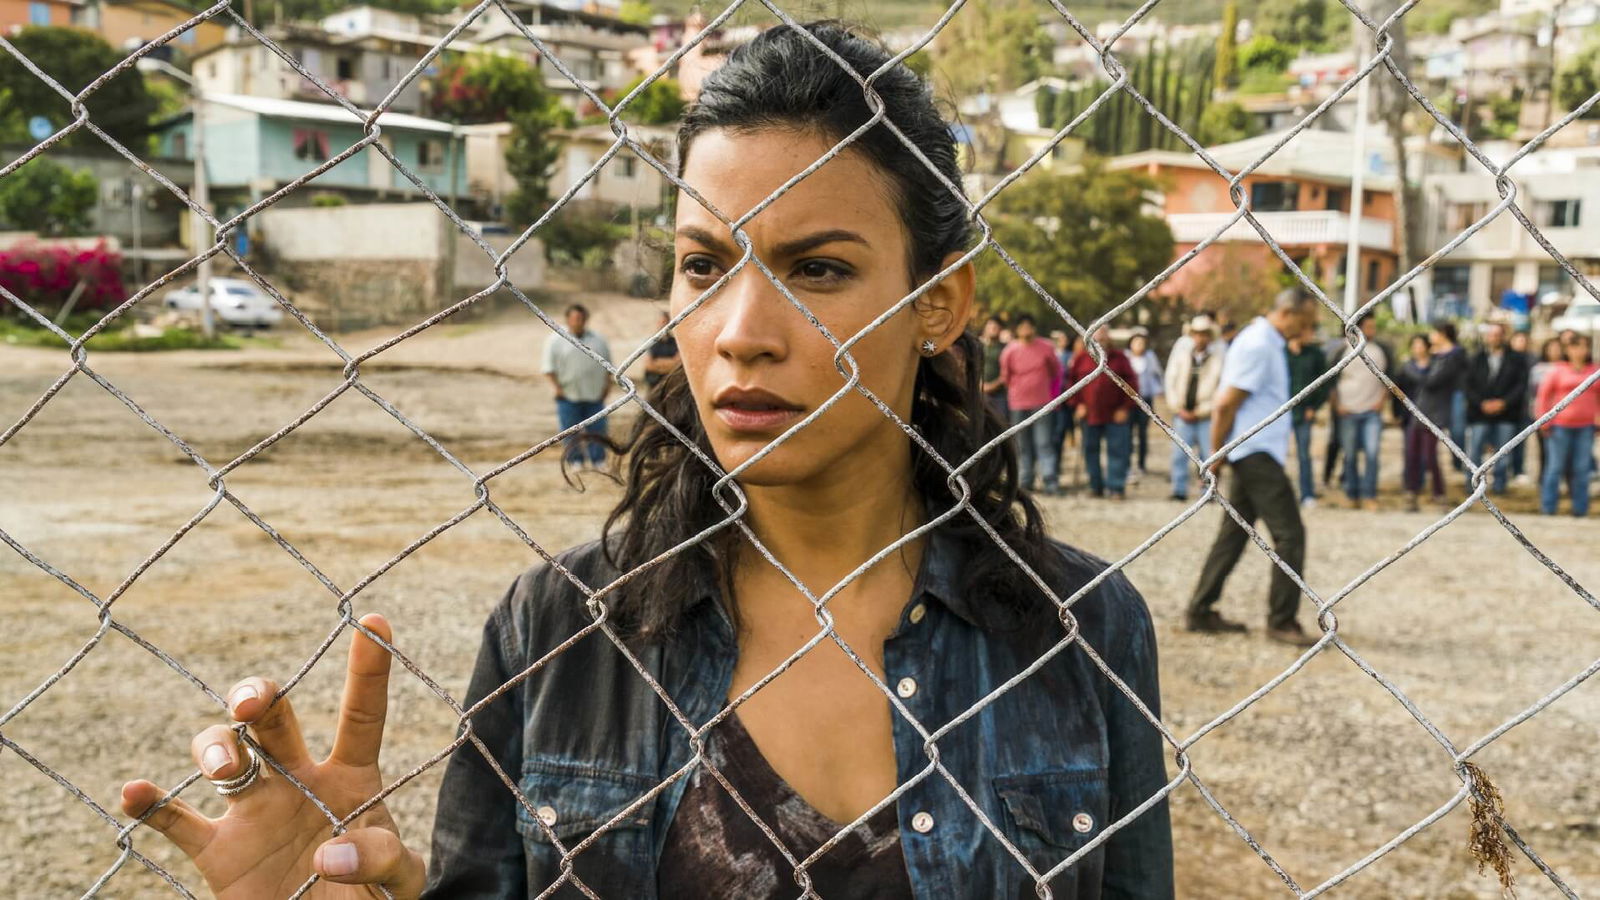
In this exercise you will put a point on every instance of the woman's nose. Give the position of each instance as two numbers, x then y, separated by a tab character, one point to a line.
752	317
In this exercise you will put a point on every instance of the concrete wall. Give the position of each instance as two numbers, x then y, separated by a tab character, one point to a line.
383	264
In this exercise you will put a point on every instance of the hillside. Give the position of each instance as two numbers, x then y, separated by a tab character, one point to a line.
895	13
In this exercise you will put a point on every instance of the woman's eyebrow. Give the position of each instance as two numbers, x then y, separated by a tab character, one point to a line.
784	250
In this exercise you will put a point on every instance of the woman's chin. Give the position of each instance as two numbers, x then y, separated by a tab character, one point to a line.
783	467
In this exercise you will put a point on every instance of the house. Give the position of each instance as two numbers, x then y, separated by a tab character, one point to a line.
15	14
1500	56
1300	195
1558	188
362	67
593	46
626	181
256	145
128	23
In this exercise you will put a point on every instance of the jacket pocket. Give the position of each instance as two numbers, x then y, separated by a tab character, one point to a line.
1050	816
575	800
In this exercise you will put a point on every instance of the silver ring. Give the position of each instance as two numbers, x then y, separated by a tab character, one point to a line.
228	787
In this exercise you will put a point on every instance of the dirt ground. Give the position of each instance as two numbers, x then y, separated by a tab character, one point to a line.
1322	771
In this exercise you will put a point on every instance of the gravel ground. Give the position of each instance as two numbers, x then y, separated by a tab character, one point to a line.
1322	771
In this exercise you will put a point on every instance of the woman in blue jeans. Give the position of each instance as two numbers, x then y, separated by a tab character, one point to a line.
1569	441
732	690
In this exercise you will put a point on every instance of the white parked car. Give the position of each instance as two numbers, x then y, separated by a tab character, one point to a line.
1582	316
235	301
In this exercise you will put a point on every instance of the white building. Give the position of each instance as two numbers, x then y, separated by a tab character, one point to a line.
1558	188
593	46
625	181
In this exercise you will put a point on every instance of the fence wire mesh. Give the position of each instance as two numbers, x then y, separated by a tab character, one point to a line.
127	834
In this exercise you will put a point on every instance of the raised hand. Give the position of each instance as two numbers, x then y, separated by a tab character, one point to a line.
272	837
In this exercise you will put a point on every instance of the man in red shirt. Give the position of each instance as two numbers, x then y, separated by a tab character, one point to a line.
1105	408
1030	369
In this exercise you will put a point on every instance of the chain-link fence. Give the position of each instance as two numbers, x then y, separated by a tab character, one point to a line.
1474	789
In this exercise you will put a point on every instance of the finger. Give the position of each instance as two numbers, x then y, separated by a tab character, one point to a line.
371	856
179	821
217	752
366	697
274	723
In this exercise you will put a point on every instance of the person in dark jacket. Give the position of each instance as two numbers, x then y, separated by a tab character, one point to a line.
1307	362
1496	388
626	689
1430	378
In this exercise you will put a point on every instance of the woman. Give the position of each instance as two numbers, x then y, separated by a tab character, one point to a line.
613	797
1569	439
1550	355
1147	365
1431	377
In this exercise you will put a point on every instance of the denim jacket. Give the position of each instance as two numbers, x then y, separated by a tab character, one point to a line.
1051	762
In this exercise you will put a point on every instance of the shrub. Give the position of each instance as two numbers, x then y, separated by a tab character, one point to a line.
43	275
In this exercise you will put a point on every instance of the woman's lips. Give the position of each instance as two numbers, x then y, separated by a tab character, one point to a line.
757	420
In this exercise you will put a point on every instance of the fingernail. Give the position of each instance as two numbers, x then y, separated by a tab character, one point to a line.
242	693
338	859
215	758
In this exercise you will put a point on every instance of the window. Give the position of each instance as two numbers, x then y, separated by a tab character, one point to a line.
188	37
430	155
1500	278
1274	196
625	166
180	145
1337	199
1557	213
38	13
310	144
344	68
1554	280
1372	274
1460	216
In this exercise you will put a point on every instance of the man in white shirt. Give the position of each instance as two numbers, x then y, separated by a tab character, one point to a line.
1254	390
581	386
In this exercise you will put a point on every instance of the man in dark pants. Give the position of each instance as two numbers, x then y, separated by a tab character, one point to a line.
1497	386
1255	389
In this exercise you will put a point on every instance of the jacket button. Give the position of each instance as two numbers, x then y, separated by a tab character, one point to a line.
906	688
546	814
917	612
922	823
1083	823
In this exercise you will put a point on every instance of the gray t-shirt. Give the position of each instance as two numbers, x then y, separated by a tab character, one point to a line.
582	379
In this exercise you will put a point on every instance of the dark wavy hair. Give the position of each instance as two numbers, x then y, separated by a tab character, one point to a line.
783	80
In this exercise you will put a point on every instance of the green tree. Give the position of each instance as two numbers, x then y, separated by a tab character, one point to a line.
531	158
994	46
121	107
1578	80
1265	53
661	103
1225	122
636	12
1086	237
47	197
1228	47
1301	23
487	87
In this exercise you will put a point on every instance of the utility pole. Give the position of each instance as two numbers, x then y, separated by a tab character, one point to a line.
201	192
1358	167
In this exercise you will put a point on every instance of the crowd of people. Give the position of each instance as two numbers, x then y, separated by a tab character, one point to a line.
1481	398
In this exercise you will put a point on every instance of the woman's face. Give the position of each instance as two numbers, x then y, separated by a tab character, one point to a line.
756	366
1138	344
1419	347
1577	351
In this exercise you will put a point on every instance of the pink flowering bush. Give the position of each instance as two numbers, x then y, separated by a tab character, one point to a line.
44	274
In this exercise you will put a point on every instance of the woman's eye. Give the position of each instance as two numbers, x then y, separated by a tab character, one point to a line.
699	267
820	271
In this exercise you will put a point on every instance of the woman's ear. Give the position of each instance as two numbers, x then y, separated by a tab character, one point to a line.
943	312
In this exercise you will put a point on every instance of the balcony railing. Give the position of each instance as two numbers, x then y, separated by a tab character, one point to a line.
1288	228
